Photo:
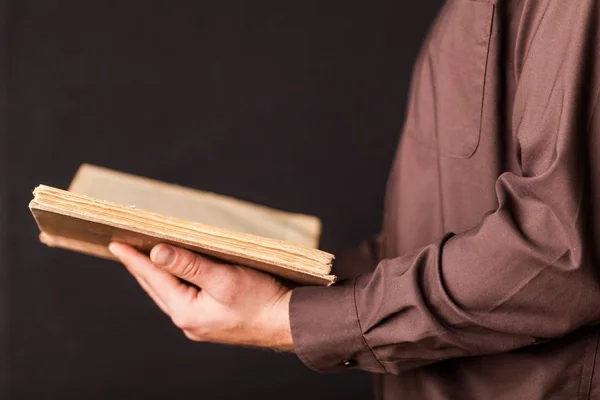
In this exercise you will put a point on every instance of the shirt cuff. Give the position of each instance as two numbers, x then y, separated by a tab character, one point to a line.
326	331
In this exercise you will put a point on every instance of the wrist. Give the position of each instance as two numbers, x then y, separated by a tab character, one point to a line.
282	338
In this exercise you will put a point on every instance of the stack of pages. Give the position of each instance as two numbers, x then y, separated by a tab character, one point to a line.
103	205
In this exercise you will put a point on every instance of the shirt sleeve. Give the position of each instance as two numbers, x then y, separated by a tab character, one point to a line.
526	272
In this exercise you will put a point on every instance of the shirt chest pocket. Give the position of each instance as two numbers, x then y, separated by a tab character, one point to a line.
446	97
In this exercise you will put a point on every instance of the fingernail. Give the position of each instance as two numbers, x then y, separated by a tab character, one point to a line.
162	255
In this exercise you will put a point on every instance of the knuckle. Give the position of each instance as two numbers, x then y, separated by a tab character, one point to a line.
189	266
181	320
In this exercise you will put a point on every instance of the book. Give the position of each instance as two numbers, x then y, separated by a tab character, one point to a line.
103	205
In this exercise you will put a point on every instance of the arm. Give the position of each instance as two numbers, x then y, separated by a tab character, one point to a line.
524	274
222	303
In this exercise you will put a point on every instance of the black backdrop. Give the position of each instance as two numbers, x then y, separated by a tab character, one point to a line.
295	105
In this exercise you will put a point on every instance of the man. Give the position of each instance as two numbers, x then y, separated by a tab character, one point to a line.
484	282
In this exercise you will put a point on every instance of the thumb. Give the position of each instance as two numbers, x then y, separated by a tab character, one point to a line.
190	266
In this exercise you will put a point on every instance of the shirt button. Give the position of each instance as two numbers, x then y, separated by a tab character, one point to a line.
348	363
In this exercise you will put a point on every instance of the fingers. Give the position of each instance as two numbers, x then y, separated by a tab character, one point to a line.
159	284
152	295
192	267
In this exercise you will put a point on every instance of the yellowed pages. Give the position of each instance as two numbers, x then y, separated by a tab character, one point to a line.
195	205
81	223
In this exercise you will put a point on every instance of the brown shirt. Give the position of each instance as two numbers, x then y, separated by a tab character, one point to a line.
486	281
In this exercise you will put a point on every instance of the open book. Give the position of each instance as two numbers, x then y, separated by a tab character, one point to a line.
103	205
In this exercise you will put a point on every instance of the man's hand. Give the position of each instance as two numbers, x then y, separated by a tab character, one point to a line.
211	301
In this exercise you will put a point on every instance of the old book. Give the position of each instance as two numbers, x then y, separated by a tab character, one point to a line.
102	205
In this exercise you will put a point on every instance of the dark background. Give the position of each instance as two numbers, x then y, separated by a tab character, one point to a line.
295	105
